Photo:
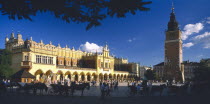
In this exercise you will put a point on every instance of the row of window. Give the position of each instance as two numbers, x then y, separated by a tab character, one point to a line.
68	63
44	59
107	65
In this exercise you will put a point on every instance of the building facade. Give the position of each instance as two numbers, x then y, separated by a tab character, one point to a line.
159	71
50	62
189	68
173	69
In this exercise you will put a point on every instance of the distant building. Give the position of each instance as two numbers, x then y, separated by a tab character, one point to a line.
55	63
159	70
189	68
123	64
207	61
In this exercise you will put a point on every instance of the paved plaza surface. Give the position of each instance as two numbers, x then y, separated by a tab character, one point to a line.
92	96
108	100
122	91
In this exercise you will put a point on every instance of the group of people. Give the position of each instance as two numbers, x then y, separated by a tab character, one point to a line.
5	82
107	86
93	83
140	87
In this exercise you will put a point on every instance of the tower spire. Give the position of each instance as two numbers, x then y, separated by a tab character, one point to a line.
172	7
173	24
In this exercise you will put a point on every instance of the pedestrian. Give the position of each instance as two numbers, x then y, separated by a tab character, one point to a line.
138	87
102	90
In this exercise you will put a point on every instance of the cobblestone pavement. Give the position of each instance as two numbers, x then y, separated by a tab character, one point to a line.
122	91
95	91
92	96
30	99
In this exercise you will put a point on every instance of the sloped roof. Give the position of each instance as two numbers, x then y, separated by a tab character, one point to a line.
22	74
160	64
191	63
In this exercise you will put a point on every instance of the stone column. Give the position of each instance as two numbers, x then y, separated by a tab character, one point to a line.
85	77
79	77
58	77
66	77
73	78
63	78
37	77
107	77
91	78
97	78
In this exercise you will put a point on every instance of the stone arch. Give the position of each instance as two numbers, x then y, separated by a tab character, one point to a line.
121	77
105	76
118	76
49	72
68	75
125	76
88	76
60	75
94	76
75	73
110	76
39	71
76	76
114	76
101	77
49	75
39	75
82	75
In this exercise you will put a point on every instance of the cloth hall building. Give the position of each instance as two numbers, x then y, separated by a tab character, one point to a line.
50	62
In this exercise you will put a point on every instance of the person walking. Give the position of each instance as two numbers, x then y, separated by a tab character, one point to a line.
138	87
102	87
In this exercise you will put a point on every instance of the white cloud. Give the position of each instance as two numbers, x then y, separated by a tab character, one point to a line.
198	37
204	39
190	44
190	29
91	47
199	56
131	40
206	45
208	20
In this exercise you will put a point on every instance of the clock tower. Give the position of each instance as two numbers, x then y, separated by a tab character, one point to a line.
173	69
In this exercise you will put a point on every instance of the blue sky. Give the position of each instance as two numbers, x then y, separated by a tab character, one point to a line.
140	37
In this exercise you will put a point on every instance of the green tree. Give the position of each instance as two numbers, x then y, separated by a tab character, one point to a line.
5	62
91	12
149	74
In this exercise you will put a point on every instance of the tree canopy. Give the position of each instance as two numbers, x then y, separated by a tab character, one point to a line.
149	74
203	72
79	11
5	62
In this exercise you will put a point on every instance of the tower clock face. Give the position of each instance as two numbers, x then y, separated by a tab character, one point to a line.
172	36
